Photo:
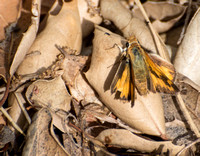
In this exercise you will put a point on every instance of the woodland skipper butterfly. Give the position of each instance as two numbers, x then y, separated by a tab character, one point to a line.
143	72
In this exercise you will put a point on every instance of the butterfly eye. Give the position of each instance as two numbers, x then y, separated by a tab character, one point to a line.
127	44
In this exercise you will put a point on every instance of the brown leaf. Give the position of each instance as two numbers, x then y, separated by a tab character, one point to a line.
147	113
72	65
79	88
9	13
28	37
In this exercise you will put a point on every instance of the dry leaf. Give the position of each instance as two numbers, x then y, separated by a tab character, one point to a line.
129	25
49	93
83	92
79	88
147	113
163	14
63	29
126	139
39	141
28	37
9	13
72	65
187	58
122	18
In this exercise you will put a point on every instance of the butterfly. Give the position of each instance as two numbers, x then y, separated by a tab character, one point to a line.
143	72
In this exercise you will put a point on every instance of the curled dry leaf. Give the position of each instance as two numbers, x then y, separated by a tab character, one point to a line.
28	37
79	88
39	141
187	59
72	65
126	139
147	113
89	15
51	94
124	20
9	13
63	29
163	14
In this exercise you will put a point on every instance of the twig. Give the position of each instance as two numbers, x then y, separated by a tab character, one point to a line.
11	120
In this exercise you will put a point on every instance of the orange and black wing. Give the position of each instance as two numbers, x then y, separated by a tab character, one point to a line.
162	75
123	82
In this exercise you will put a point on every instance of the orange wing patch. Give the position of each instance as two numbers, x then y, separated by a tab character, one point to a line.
161	77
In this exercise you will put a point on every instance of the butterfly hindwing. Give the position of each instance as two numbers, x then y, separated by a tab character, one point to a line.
161	76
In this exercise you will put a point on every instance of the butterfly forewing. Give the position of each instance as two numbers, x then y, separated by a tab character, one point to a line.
122	81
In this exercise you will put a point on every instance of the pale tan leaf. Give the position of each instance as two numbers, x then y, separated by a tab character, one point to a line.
163	14
62	29
126	139
49	93
147	113
187	58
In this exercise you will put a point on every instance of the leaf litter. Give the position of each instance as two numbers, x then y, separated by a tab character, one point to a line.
59	96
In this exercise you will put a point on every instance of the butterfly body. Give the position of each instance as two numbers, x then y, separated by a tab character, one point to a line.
141	72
